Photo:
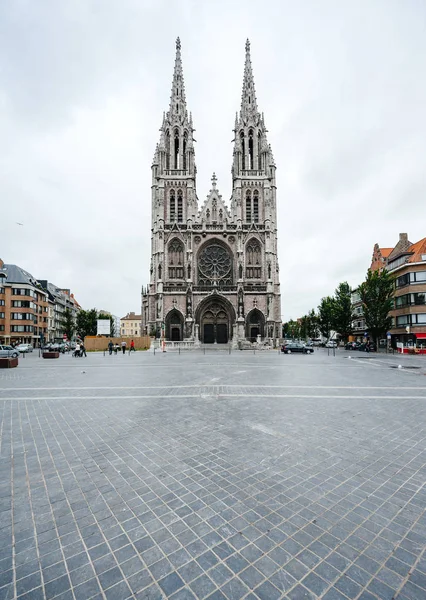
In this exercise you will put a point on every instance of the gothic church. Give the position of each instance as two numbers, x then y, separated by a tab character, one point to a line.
214	275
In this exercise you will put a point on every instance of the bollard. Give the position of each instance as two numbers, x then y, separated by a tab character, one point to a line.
104	353
179	349
154	349
204	350
229	349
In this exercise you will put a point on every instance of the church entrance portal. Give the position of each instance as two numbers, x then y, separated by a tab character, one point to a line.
255	325
215	319
174	326
215	326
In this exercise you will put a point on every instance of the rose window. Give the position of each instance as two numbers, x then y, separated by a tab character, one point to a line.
215	266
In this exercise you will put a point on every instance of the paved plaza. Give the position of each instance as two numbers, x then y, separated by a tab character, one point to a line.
221	476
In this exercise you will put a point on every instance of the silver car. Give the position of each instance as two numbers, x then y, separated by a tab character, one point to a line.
8	352
24	348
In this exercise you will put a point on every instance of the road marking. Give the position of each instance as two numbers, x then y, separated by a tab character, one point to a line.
159	397
228	385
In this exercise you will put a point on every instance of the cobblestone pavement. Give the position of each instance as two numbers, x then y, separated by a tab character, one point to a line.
257	476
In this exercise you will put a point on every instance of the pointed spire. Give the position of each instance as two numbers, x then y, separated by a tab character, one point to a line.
248	97
177	97
214	180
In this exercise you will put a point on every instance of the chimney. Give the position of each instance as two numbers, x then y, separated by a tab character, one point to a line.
1	264
403	237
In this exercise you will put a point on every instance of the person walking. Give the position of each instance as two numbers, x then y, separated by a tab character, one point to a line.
132	346
123	346
116	348
110	347
77	349
83	350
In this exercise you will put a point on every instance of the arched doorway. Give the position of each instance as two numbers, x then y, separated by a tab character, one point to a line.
255	325
215	317
174	326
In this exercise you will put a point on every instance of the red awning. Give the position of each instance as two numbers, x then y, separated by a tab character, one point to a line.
421	336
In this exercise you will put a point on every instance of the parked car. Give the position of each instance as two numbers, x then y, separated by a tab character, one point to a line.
8	351
24	348
296	347
331	344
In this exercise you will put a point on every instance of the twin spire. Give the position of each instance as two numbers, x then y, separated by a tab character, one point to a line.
178	99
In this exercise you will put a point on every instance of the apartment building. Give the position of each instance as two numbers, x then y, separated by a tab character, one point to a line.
407	262
23	307
131	325
59	300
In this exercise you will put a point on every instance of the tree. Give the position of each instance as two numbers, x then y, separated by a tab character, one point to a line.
376	294
342	311
111	320
303	325
325	316
86	322
68	324
312	324
292	329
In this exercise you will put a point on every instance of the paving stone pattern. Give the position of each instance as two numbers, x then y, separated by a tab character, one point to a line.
255	476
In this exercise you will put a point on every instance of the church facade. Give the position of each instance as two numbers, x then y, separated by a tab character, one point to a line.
214	275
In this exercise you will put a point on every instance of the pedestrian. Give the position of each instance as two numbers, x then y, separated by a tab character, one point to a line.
77	349
110	347
83	350
132	346
116	348
123	346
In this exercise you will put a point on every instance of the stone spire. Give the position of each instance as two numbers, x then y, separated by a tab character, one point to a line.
177	108
248	96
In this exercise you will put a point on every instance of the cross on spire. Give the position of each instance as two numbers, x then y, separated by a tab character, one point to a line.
214	180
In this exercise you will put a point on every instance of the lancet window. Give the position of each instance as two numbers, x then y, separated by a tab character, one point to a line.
259	151
175	254
172	205
251	150
248	206
255	206
185	143
167	149
176	150
243	150
253	260
179	206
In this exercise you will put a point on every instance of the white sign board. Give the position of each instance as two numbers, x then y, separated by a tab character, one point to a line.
104	327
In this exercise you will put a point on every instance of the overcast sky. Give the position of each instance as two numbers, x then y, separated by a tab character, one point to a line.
83	85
